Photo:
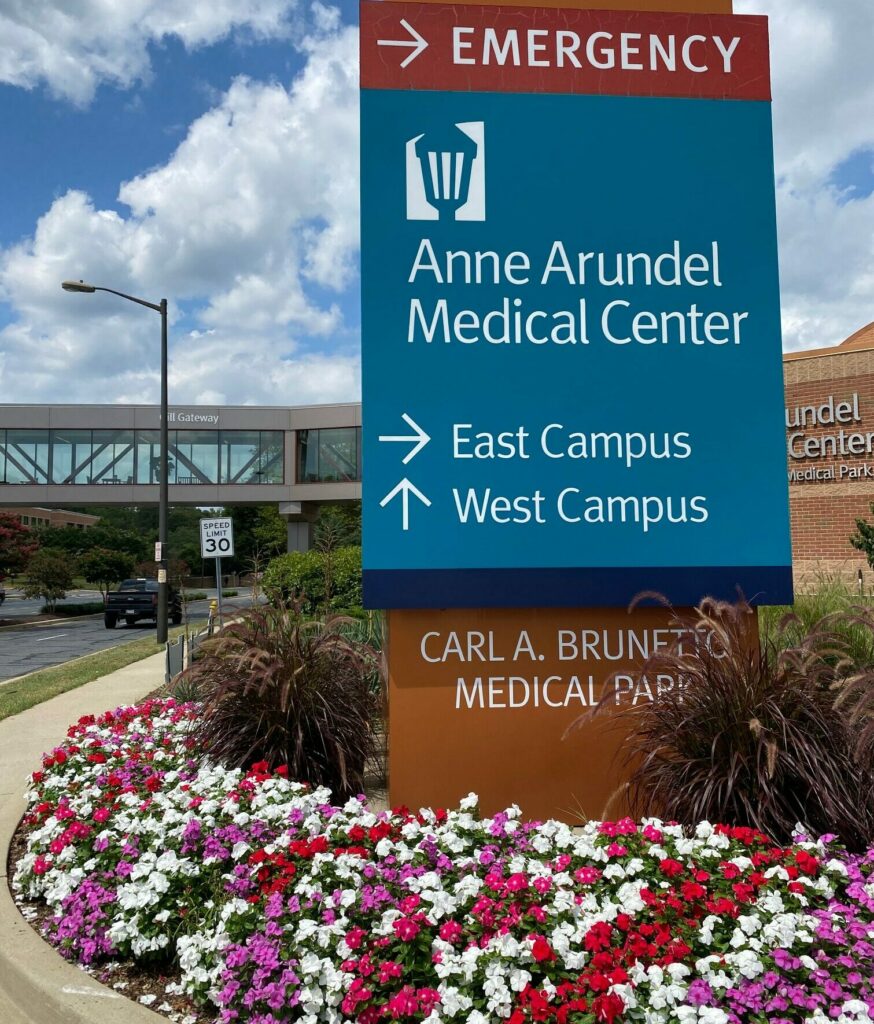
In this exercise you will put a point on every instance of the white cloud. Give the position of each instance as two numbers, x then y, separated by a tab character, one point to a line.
823	112
254	219
256	210
75	45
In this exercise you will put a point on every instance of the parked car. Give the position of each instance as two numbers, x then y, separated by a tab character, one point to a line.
138	599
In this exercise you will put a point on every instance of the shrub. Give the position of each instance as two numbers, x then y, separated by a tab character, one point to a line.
749	733
303	575
69	609
288	692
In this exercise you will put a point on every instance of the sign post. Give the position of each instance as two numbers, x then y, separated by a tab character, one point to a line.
217	541
571	352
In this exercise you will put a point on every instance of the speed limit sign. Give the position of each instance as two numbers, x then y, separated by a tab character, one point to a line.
216	538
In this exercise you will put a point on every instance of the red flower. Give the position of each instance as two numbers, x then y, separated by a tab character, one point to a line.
671	867
608	1007
406	929
541	950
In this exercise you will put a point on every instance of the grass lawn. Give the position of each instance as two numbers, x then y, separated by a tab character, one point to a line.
37	687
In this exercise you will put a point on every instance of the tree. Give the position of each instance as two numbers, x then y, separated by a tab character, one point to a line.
338	526
104	567
863	538
17	544
77	542
49	575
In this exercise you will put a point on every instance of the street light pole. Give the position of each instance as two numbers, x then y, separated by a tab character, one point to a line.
163	482
163	489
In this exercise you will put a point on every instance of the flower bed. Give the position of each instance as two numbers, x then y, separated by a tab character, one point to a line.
276	906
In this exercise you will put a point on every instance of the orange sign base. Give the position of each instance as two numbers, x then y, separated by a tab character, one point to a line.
479	701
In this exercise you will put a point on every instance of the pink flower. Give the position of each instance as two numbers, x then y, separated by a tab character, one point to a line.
406	929
101	814
616	850
587	875
651	833
403	1003
542	884
517	882
390	969
354	937
451	931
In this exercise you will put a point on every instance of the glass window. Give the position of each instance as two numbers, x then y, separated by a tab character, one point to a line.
27	456
307	456
240	457
338	456
328	455
71	456
272	457
148	457
195	454
2	456
112	459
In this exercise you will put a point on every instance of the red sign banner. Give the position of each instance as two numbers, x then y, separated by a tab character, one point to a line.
474	48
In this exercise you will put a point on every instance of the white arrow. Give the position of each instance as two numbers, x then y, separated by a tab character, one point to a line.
415	40
420	438
405	488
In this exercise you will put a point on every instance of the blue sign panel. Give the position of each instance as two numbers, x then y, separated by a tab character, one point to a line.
572	353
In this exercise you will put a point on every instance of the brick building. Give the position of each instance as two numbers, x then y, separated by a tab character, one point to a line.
830	453
33	516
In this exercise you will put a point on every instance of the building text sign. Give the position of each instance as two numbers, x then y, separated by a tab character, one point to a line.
490	699
571	332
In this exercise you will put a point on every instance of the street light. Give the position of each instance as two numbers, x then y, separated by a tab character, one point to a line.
163	492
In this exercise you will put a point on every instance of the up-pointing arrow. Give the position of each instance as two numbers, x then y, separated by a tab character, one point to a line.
415	41
419	439
405	489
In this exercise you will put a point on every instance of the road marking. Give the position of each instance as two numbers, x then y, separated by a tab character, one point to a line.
54	636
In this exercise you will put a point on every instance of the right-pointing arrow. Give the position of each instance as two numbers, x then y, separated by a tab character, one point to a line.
419	438
405	489
415	41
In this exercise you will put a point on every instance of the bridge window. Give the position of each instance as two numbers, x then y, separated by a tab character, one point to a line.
329	455
112	457
26	456
148	456
71	456
251	456
194	457
126	457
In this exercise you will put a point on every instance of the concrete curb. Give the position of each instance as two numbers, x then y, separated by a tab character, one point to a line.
37	986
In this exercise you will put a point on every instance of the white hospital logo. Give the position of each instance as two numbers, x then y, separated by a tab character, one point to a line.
446	176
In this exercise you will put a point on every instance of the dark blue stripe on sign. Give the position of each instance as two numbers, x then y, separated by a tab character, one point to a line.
571	588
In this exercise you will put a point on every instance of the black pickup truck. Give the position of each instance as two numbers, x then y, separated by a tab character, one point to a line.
138	599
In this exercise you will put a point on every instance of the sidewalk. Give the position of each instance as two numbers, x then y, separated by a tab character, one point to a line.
36	985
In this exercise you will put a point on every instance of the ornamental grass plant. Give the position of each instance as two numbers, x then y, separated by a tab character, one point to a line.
831	605
288	692
753	733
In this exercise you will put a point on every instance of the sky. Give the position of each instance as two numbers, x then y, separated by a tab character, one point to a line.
207	151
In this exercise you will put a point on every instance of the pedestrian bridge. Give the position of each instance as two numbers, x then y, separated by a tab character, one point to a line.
299	457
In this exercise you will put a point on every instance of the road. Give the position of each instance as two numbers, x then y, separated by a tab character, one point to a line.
26	649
